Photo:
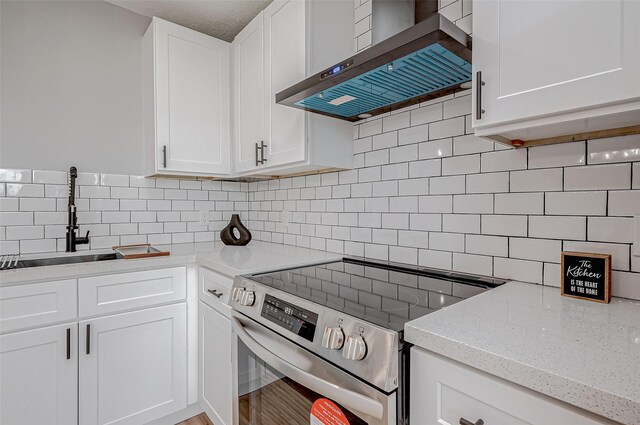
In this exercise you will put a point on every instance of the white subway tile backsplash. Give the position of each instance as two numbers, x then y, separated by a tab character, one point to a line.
625	285
425	168
25	190
624	203
470	263
370	128
451	242
95	192
381	141
497	246
473	204
50	177
610	229
37	204
558	227
426	114
436	259
18	176
447	185
519	203
504	225
446	128
576	203
536	180
598	177
114	180
24	232
34	246
614	149
413	135
487	183
461	223
560	155
547	250
435	204
464	164
468	144
523	270
395	122
512	159
457	107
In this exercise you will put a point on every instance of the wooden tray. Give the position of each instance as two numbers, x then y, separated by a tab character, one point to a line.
143	250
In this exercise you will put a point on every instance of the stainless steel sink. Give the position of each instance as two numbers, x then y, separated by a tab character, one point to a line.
66	260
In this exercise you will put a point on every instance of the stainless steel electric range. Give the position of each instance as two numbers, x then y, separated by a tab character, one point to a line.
323	344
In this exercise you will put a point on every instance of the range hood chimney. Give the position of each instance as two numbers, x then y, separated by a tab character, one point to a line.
407	64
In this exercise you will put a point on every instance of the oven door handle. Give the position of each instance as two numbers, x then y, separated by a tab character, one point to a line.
347	398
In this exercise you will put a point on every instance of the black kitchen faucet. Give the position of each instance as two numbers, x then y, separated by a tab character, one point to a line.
72	226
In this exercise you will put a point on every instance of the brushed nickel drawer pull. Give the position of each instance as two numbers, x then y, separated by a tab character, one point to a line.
214	293
463	421
88	339
68	343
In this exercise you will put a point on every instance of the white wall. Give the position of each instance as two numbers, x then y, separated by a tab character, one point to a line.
71	86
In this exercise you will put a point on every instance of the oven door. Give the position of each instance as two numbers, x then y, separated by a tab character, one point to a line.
277	382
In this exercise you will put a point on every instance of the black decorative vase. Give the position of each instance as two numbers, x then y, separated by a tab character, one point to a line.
229	238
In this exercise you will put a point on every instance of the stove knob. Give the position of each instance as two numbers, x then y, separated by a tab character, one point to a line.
247	298
333	338
236	293
354	348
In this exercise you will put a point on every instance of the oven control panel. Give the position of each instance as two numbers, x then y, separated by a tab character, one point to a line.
295	319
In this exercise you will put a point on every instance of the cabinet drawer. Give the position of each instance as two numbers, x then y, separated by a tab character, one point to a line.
125	291
211	282
37	304
444	391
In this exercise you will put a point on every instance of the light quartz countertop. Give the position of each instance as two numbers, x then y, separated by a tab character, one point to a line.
228	260
584	353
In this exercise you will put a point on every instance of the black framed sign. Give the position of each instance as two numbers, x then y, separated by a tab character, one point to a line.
586	276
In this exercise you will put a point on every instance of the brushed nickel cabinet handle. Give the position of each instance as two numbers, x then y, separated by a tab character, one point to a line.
215	293
68	343
262	158
479	84
164	156
88	339
257	160
463	421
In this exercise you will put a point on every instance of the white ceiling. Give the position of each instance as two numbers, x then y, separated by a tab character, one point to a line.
222	19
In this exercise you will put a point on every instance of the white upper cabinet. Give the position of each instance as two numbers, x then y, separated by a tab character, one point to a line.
291	37
284	56
186	102
249	97
555	68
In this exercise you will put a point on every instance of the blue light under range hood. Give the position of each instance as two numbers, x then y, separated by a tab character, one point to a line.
426	61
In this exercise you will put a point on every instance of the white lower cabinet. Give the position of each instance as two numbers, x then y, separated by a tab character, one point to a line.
133	366
444	392
215	365
39	370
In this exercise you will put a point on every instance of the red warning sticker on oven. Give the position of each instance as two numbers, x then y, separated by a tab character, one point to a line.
326	412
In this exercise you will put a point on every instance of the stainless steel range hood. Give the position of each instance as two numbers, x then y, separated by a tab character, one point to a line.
427	60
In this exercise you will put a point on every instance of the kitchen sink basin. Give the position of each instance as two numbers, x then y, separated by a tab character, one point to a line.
67	260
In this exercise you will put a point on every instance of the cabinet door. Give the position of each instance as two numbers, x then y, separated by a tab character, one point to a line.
443	392
192	101
540	58
249	99
133	366
215	365
285	65
39	376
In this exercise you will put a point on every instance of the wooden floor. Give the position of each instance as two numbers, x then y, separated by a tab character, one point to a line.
201	419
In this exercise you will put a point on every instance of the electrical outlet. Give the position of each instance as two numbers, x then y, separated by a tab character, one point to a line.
204	218
636	236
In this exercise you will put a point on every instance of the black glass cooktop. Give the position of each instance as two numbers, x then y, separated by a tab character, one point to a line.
386	294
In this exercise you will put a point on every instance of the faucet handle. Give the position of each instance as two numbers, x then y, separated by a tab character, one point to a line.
83	240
